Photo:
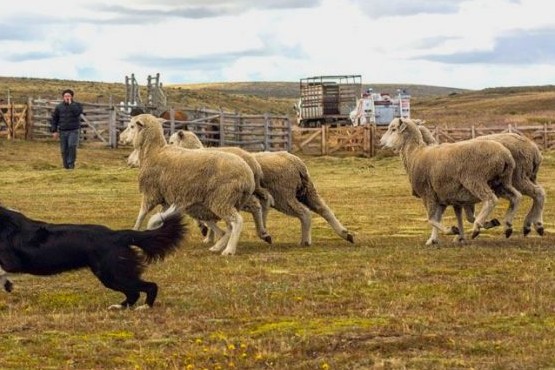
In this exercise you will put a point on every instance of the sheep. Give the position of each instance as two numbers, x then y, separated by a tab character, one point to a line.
454	174
528	158
262	198
206	185
286	178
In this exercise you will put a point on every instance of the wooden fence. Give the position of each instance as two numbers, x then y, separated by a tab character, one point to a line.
365	140
102	123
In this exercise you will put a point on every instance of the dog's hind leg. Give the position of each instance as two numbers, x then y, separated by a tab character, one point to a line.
151	290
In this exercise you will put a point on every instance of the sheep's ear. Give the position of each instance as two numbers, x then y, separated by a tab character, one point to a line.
402	125
181	134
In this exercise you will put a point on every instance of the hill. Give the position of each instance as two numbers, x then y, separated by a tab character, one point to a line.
437	105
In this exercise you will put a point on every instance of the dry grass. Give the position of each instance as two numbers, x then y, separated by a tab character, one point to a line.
387	302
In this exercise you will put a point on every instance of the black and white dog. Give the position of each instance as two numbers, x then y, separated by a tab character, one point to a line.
40	248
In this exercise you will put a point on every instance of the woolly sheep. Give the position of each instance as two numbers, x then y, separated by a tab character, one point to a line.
262	198
189	140
528	159
207	185
454	174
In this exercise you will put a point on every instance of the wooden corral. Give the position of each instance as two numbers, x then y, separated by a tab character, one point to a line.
365	140
102	123
14	120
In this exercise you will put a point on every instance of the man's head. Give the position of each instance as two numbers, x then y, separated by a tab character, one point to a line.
67	94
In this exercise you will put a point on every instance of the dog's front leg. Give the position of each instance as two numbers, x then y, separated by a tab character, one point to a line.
5	282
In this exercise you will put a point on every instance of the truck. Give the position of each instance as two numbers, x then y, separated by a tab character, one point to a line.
380	108
327	100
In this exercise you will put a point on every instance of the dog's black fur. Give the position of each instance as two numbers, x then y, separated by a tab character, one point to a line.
40	248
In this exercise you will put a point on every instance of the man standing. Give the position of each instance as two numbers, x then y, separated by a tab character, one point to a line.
66	124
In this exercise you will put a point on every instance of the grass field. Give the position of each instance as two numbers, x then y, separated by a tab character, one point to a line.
387	302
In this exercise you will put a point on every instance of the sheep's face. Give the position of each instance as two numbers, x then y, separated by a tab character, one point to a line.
392	137
175	139
127	136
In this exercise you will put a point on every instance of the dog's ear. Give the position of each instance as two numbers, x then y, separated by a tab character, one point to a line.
181	134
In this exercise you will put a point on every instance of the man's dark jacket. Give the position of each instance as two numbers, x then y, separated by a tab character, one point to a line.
66	117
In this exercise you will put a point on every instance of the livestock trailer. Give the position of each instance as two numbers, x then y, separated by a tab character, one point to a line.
327	99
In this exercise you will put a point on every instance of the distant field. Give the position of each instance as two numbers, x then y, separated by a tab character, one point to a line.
437	105
387	302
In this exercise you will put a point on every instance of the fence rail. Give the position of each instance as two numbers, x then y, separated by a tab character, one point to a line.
364	140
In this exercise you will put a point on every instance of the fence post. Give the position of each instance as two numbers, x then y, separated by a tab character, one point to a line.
266	132
222	135
112	128
29	120
172	120
545	142
289	134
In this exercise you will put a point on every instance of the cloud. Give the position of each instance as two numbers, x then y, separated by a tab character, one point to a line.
385	8
516	48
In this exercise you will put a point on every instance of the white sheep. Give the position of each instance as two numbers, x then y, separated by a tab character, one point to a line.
528	159
207	185
454	174
262	198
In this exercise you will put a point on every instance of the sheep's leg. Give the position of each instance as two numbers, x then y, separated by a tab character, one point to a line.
469	212
145	208
213	232
235	226
435	213
306	227
535	215
488	204
459	238
514	198
222	242
318	205
254	207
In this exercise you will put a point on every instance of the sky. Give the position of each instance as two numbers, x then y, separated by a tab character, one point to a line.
469	44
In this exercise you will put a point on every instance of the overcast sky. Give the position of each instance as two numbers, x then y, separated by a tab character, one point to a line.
471	44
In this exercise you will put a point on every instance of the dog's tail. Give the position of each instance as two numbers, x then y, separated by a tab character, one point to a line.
158	243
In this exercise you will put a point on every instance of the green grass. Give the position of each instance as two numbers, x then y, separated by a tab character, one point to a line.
386	302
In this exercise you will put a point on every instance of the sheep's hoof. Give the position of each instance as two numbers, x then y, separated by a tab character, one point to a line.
508	232
459	239
432	242
8	286
540	230
142	307
526	230
492	223
475	233
305	244
350	238
455	230
267	239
